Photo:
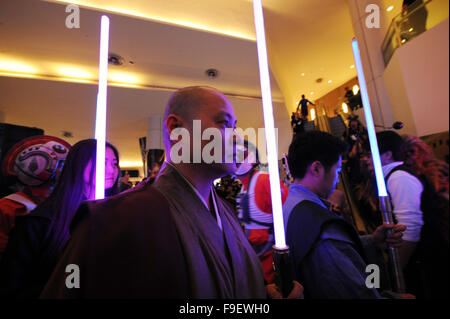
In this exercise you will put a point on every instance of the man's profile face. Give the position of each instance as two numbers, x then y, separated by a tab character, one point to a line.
330	179
218	113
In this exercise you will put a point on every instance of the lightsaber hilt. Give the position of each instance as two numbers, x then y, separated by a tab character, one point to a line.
394	258
282	270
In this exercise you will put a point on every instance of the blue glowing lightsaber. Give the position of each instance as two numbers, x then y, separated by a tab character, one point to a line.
369	121
281	250
381	184
100	121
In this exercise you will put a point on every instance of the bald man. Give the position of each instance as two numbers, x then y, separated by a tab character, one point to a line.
175	238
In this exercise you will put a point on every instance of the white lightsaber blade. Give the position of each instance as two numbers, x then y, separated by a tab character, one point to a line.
381	183
369	121
272	151
100	121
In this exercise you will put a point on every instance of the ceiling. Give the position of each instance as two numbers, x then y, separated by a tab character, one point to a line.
48	72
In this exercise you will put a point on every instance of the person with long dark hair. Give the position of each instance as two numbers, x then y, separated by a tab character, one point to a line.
39	238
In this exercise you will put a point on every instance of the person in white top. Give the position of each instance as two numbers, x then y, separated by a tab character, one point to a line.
405	191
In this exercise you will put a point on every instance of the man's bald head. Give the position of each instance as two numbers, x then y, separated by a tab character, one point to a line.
189	101
190	113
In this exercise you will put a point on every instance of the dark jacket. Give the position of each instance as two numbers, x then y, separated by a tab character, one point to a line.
327	254
158	241
24	271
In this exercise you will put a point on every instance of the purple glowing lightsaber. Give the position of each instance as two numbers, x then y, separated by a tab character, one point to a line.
274	177
100	121
381	183
281	261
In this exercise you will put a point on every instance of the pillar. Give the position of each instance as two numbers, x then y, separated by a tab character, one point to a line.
370	42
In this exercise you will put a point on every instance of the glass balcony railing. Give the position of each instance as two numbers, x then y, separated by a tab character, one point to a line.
412	21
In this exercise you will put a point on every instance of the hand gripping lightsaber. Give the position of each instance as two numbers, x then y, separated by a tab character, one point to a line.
280	249
100	121
385	203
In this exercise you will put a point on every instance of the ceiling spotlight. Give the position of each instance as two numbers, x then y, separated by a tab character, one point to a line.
352	66
389	9
212	73
303	74
312	93
329	81
115	59
67	134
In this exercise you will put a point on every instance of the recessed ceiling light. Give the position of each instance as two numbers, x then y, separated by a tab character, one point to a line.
329	81
212	73
352	66
312	93
389	9
303	74
115	59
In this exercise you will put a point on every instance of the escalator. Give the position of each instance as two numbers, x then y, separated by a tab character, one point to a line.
309	126
336	127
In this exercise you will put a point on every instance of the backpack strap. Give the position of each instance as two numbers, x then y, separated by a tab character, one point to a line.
401	167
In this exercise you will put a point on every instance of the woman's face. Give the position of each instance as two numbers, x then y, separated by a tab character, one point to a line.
111	174
111	168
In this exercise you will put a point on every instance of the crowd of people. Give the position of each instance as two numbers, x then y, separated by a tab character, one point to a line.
176	235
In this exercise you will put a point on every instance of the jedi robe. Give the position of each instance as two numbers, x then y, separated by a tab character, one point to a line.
158	241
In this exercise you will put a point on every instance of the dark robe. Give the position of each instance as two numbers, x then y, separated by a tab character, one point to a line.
158	241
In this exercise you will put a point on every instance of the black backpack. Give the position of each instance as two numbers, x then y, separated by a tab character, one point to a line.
426	274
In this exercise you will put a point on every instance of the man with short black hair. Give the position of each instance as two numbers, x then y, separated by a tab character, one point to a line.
405	191
328	256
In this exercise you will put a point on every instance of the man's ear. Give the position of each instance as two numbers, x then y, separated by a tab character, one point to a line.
316	168
173	121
